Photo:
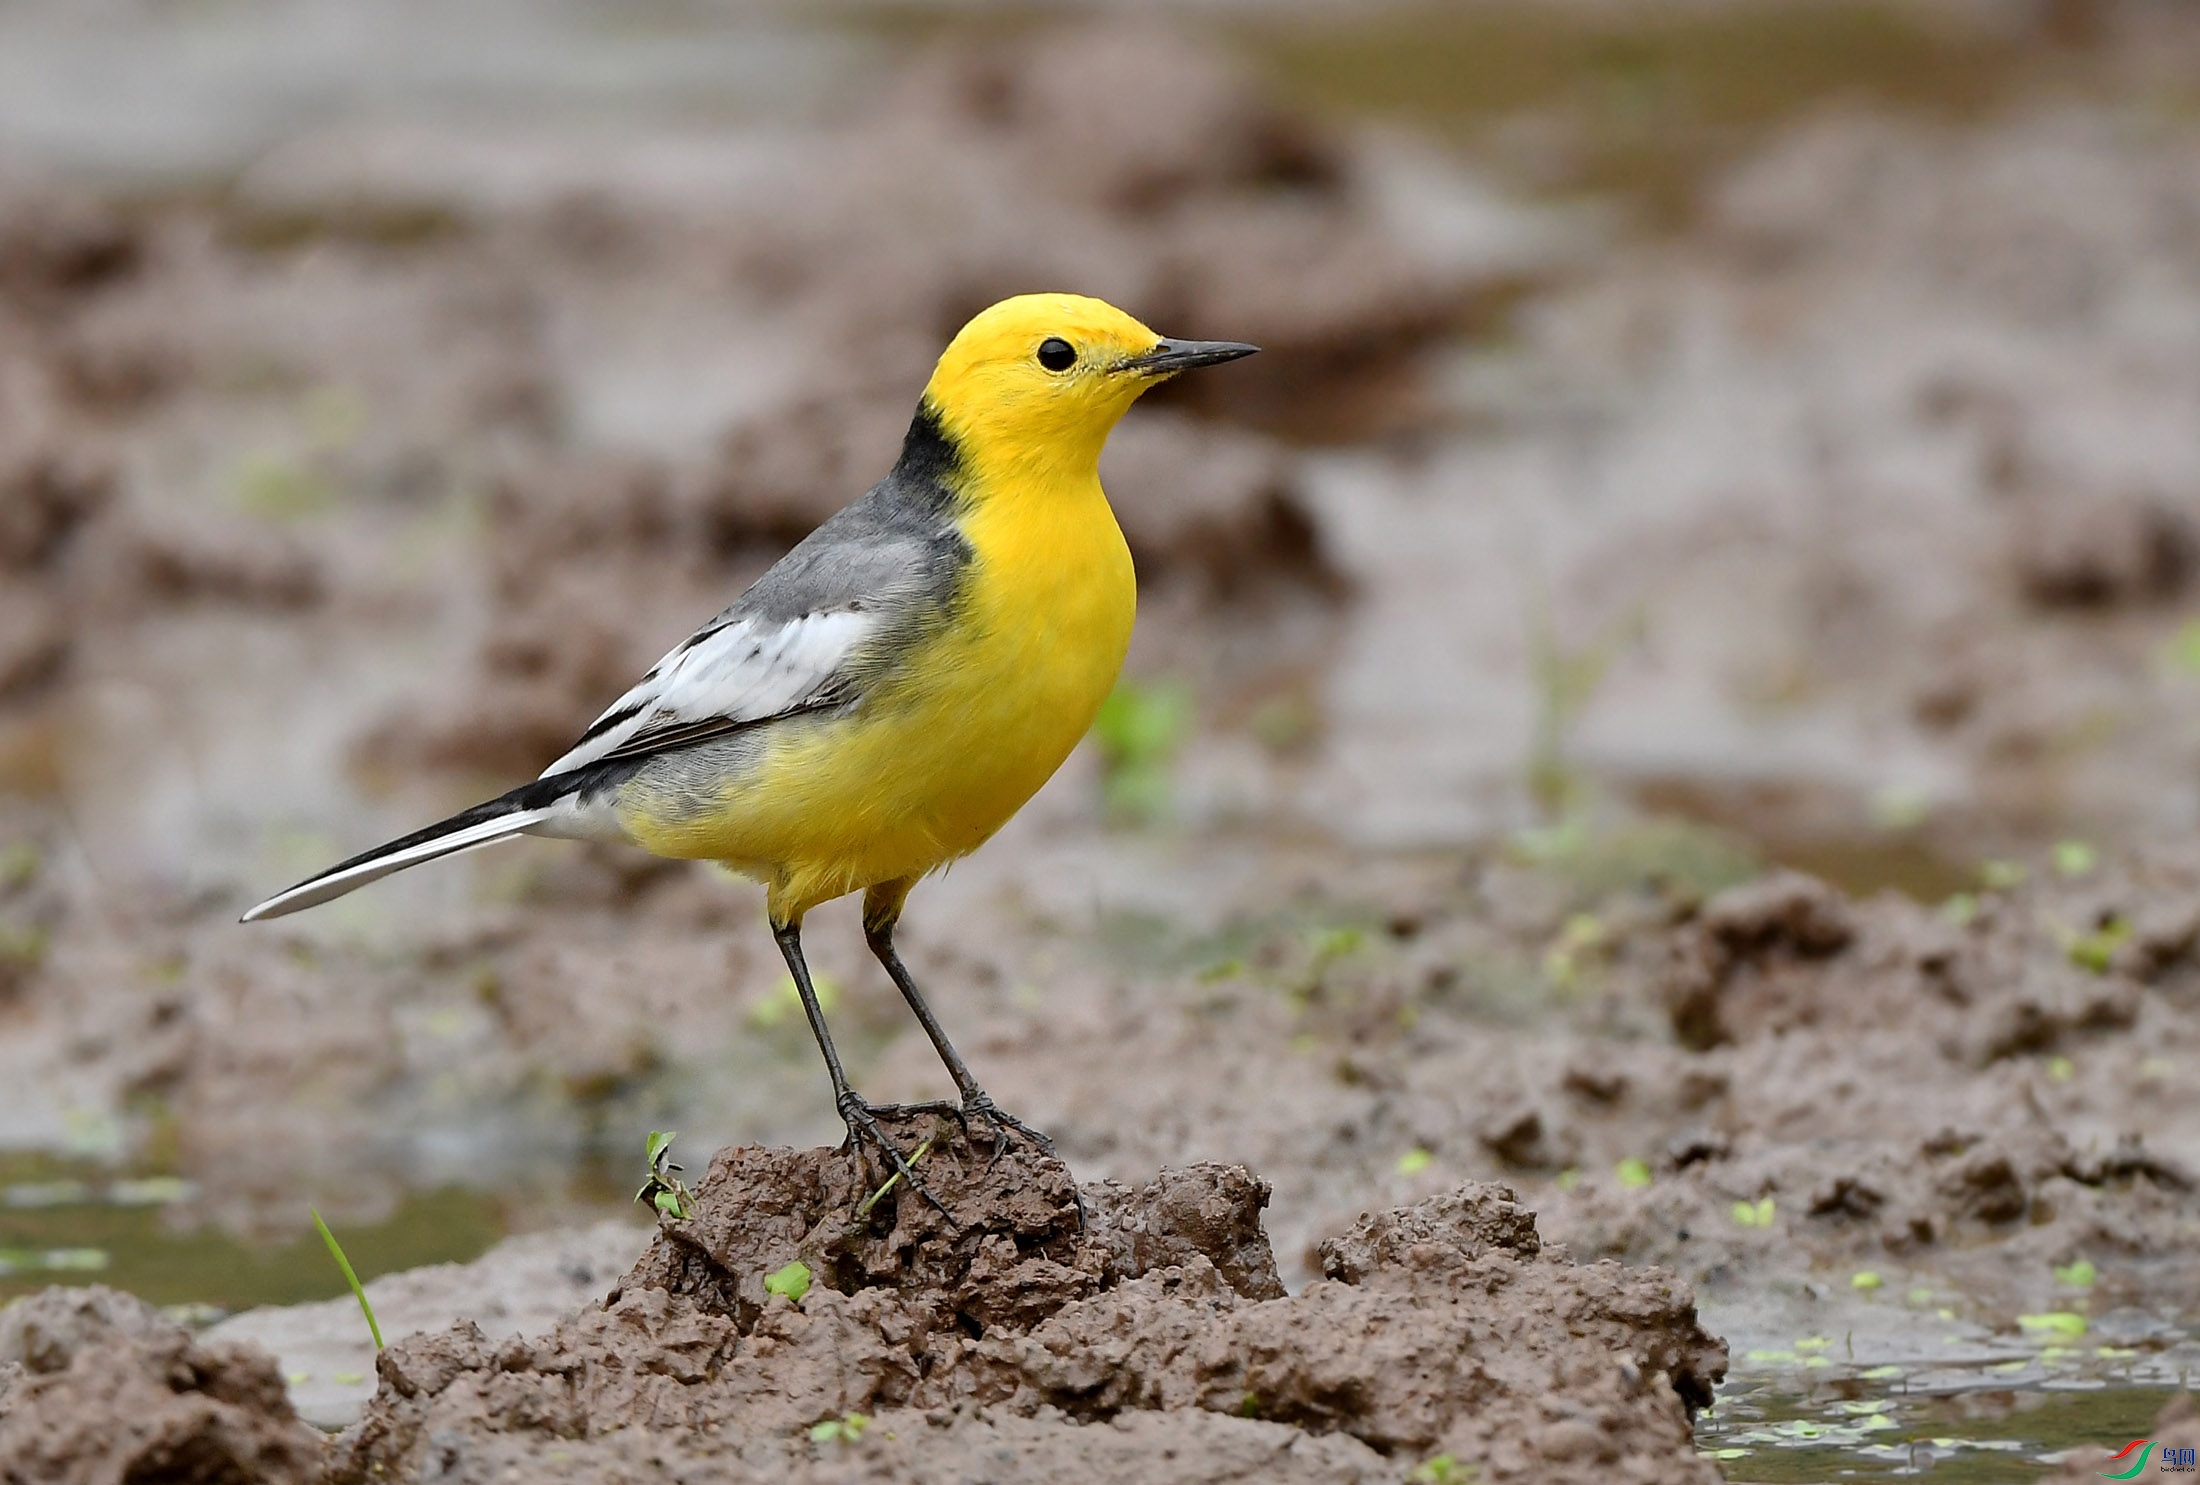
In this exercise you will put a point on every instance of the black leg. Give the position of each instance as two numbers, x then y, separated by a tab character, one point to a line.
879	914
853	1110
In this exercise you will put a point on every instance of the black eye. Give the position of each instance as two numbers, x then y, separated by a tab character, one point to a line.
1057	354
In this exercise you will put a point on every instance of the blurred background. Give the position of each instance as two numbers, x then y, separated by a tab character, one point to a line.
1693	436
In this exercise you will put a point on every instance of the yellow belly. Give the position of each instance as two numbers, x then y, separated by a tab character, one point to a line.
937	758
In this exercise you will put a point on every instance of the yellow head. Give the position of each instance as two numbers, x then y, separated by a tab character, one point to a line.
1032	386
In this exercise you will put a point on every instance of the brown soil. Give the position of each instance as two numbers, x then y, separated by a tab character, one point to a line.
1859	519
97	1388
1151	1340
1141	1334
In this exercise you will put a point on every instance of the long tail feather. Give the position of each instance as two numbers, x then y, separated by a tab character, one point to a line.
461	832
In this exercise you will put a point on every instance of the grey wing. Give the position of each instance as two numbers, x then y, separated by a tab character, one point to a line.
800	639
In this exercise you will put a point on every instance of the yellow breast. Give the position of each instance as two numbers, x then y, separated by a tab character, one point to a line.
938	756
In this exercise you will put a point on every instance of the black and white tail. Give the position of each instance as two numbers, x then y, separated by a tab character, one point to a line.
525	808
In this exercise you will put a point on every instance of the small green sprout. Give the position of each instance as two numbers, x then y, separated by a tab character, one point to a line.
1754	1213
1900	807
358	1290
872	1200
2001	875
663	1189
2060	1069
1812	1344
1414	1161
19	862
2096	950
1960	909
2075	858
1443	1469
785	1001
1864	1281
1139	730
1880	1373
1569	1178
1729	1453
2066	1323
2184	647
1330	944
277	489
1579	942
1633	1172
789	1283
845	1429
2078	1275
1249	1405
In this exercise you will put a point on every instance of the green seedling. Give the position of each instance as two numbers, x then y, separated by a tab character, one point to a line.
873	1199
1864	1281
19	862
2183	649
1569	1178
2075	858
845	1429
1900	807
1139	730
1443	1469
1414	1161
785	1001
2060	1069
2066	1323
1565	680
1960	909
1633	1172
358	1290
2001	875
1566	962
2095	950
663	1188
2078	1275
789	1283
1754	1213
277	489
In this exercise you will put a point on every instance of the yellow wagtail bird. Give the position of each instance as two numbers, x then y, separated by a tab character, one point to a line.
884	698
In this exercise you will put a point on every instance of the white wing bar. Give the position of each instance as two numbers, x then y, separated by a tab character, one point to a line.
749	670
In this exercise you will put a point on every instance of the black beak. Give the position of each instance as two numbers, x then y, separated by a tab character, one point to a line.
1172	356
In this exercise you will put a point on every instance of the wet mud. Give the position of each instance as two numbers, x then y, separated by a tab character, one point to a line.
1548	583
1147	1337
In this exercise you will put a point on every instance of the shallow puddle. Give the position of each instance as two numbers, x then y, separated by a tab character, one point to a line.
74	1223
1990	1434
1962	1403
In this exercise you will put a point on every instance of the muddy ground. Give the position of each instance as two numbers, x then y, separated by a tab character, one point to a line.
1564	566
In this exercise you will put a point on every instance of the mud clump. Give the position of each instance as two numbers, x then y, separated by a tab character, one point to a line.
1150	1338
97	1388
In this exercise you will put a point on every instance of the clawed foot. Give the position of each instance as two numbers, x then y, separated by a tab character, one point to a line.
862	1122
979	1106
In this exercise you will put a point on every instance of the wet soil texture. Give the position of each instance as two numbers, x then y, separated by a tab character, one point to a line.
1147	1339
